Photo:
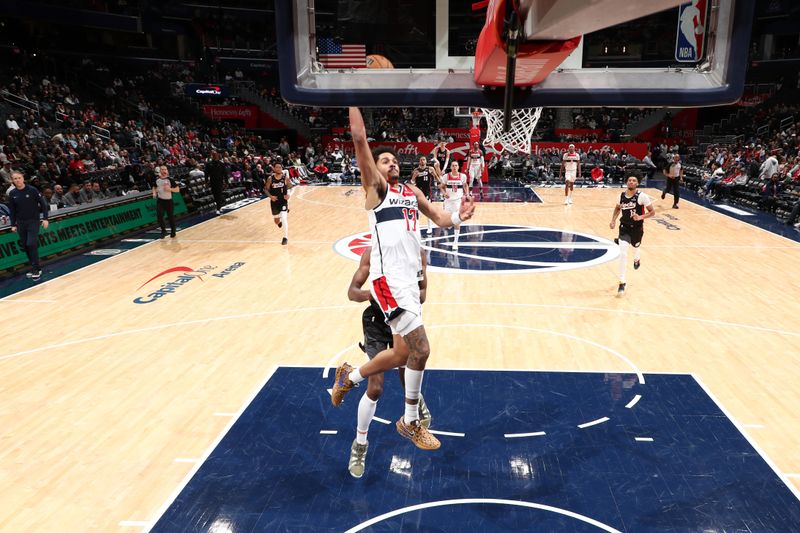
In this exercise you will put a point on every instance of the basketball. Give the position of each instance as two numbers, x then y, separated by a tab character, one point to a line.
378	61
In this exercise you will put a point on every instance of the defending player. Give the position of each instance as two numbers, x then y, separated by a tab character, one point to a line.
441	154
635	206
377	338
570	169
423	177
395	271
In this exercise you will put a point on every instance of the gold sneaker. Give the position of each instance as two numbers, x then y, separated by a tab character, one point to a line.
358	459
418	434
341	384
425	418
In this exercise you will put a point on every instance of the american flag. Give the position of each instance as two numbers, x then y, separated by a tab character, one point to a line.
334	54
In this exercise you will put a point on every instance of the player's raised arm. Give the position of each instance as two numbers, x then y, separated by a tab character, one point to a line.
372	181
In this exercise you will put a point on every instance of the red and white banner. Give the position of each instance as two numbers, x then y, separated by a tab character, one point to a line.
458	150
250	115
246	113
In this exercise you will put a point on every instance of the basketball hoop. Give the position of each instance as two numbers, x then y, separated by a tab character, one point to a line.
518	137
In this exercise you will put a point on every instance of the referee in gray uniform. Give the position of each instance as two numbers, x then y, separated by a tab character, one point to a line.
27	204
162	192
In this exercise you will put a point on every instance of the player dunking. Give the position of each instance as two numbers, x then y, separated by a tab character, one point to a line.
635	206
476	165
277	188
377	338
570	169
395	270
423	177
454	187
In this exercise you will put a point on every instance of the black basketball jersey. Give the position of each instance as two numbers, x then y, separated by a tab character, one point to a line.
629	206
278	187
441	156
424	179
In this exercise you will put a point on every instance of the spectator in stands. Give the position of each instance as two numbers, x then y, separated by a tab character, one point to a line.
717	174
86	195
72	198
11	123
5	174
794	214
651	167
597	174
98	192
284	147
58	196
771	193
768	168
737	178
76	166
321	170
37	132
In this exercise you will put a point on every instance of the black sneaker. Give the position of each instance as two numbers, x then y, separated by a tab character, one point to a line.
663	195
621	289
172	235
636	265
163	234
675	206
36	274
285	241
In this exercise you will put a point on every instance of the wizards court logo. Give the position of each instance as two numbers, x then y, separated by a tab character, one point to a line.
501	249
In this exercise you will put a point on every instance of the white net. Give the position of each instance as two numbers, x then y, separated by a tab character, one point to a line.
518	137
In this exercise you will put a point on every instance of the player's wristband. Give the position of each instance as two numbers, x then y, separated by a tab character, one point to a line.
455	219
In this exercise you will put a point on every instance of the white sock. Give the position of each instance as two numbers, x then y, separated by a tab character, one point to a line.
456	231
355	376
366	410
413	386
285	221
637	253
623	257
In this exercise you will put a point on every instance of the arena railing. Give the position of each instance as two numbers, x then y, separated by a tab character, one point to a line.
20	101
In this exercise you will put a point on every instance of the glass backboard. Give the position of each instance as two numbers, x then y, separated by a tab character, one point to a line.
694	54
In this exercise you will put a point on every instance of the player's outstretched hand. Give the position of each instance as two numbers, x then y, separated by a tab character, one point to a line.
467	208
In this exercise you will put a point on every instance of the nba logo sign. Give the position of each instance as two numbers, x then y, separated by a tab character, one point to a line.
691	31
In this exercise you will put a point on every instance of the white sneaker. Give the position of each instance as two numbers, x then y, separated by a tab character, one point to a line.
566	200
570	200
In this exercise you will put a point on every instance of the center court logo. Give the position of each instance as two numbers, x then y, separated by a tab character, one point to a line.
180	276
501	249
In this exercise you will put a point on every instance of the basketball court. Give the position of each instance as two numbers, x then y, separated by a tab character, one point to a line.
182	384
205	408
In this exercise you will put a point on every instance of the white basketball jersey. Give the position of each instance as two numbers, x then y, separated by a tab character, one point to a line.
475	157
455	185
571	162
394	224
